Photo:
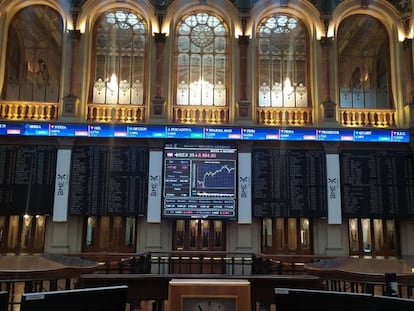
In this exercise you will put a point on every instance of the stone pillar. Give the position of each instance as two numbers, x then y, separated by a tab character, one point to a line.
329	107
70	101
157	103
244	104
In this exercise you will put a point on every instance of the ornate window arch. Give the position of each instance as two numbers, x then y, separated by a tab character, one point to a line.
363	63
282	62
120	40
34	55
201	58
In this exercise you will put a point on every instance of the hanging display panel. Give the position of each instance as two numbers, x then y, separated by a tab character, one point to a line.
108	180
377	183
27	179
289	183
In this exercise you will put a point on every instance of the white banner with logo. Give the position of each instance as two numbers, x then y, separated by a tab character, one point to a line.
60	205
333	189
154	186
245	188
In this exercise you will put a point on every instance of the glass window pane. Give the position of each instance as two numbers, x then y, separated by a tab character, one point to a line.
282	66
267	233
353	235
34	54
391	234
193	233
218	234
179	234
205	234
378	234
120	41
130	231
201	49
304	233
91	231
26	233
366	235
12	236
363	63
39	236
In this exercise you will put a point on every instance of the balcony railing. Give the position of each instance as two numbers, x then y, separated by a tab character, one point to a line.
116	113
284	116
201	114
105	113
22	110
353	117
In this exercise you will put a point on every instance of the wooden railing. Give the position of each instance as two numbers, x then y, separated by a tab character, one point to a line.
174	262
148	274
284	116
202	263
405	289
23	110
286	264
201	114
116	113
377	118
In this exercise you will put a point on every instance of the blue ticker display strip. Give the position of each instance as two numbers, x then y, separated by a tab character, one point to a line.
208	132
184	132
222	133
108	131
69	130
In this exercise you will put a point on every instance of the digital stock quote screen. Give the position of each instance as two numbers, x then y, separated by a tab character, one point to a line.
200	181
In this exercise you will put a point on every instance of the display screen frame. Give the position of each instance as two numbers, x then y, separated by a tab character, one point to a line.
299	299
186	195
105	298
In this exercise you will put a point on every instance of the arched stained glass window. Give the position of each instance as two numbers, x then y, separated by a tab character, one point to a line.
201	60
120	42
363	52
34	55
282	62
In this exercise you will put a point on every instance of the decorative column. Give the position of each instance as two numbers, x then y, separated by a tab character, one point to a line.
70	101
329	107
157	107
244	104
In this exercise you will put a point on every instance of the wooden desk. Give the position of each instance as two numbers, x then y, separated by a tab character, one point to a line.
362	269
43	267
33	273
